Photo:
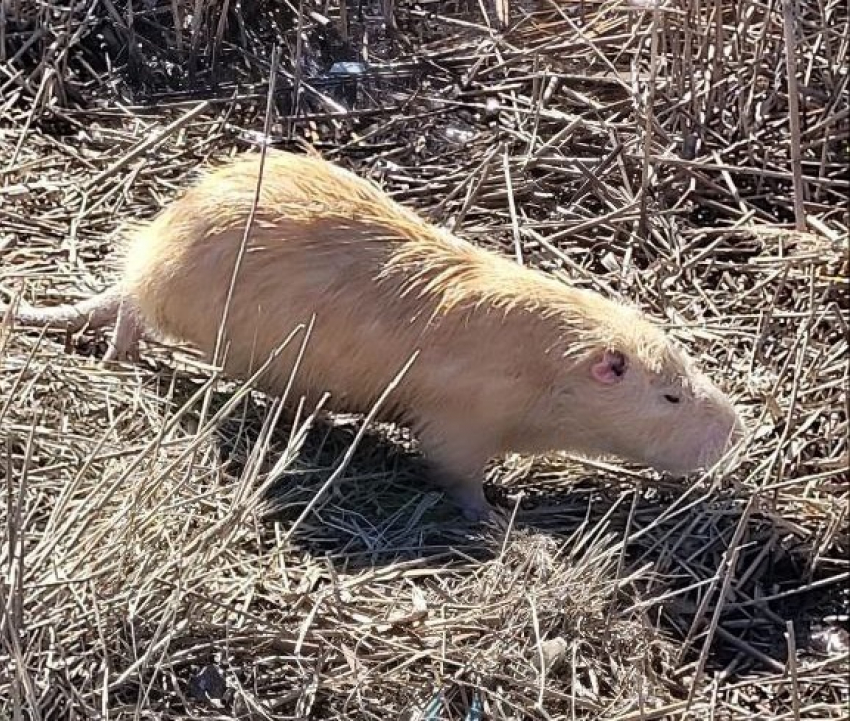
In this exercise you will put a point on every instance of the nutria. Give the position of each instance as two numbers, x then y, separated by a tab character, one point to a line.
509	358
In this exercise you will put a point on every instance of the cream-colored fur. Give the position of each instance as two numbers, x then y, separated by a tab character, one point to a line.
505	352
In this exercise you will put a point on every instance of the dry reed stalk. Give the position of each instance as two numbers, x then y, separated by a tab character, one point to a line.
151	561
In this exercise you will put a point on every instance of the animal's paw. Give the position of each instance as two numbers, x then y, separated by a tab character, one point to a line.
478	513
124	342
467	492
473	503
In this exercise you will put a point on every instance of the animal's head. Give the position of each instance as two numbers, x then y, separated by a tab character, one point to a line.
652	405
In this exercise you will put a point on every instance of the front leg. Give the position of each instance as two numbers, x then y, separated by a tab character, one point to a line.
459	470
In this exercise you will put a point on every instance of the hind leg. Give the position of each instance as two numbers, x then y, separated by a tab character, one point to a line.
124	342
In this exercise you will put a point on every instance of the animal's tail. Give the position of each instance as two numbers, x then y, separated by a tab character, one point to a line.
95	312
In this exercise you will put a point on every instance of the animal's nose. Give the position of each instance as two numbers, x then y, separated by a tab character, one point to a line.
737	432
719	438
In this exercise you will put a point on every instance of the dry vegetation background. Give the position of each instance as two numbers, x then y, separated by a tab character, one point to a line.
158	558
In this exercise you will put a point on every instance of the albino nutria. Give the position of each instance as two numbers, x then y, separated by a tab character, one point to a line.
509	359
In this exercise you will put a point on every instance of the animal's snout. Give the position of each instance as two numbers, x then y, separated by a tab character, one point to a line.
737	433
699	448
724	435
720	439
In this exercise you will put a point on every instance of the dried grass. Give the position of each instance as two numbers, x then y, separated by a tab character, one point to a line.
151	565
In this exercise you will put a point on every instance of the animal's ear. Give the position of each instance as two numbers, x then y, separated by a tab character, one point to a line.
611	368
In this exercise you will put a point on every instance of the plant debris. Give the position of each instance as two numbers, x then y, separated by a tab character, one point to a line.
151	564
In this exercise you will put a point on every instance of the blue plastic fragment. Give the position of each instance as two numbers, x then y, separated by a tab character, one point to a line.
476	709
434	708
347	68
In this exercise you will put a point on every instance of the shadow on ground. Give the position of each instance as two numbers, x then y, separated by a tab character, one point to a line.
384	510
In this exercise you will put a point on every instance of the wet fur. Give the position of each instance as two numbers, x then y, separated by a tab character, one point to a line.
505	351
